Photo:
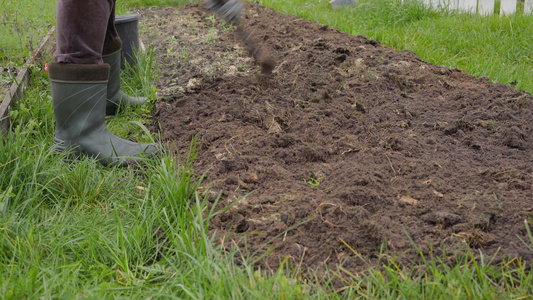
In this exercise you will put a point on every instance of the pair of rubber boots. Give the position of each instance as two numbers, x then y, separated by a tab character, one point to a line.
82	95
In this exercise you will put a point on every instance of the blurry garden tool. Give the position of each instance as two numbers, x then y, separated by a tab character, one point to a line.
231	10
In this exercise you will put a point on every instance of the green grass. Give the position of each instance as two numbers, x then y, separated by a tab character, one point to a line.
86	231
80	230
470	277
23	24
137	81
83	230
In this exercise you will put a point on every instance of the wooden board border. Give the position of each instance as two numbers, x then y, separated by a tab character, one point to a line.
16	90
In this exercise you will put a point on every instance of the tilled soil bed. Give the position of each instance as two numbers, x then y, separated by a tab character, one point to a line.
367	146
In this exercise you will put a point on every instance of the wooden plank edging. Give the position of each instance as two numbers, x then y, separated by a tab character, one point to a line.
16	90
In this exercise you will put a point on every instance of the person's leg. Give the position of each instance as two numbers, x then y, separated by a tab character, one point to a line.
111	34
112	55
82	29
79	101
79	82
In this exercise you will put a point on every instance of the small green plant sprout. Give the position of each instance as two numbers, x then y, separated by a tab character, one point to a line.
312	182
212	35
212	19
173	39
184	55
227	27
242	68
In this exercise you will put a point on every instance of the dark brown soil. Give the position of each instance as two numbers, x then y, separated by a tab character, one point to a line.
365	145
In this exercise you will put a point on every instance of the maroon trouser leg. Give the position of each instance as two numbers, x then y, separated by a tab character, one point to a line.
83	28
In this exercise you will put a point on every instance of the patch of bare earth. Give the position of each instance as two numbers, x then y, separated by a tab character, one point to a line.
364	145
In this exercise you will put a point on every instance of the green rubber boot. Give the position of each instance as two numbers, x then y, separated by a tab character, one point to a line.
79	99
115	96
